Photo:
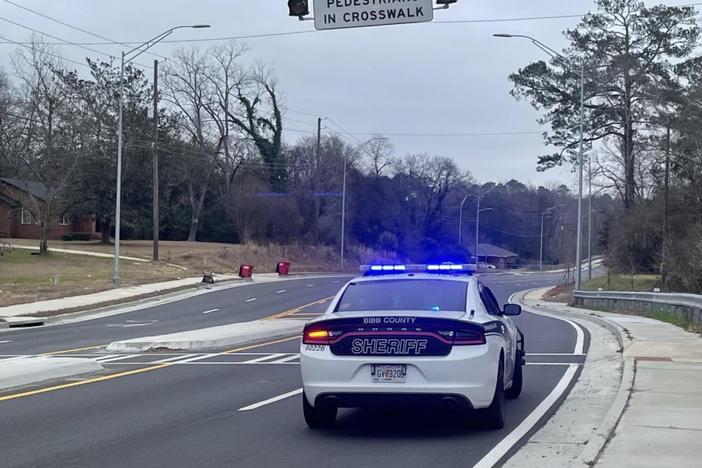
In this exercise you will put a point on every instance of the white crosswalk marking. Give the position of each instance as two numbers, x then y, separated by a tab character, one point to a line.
174	358
102	358
196	358
264	358
119	358
286	359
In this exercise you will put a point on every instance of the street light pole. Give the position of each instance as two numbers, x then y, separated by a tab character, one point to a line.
460	220
137	51
565	61
477	233
343	199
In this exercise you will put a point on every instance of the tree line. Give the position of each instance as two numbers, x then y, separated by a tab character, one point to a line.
227	174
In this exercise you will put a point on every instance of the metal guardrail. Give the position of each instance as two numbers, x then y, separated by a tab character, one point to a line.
688	300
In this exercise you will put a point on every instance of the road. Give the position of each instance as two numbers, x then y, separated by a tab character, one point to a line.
171	409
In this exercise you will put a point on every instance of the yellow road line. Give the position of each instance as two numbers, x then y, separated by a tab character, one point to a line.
126	373
73	350
82	382
297	309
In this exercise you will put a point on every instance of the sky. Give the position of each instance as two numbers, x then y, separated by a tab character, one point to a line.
418	84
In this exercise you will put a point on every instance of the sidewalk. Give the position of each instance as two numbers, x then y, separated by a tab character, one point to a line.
81	252
661	424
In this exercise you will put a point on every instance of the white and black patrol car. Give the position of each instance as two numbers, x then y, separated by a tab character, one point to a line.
412	334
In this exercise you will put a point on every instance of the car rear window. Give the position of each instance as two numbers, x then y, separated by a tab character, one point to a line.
400	295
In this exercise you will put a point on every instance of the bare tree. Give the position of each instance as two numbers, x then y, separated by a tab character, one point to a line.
380	153
44	143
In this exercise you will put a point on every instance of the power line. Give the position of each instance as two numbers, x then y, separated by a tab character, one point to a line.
64	42
84	31
47	53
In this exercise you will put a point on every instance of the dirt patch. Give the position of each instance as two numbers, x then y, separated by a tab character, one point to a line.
561	293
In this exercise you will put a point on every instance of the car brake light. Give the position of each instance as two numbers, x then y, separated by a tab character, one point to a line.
468	337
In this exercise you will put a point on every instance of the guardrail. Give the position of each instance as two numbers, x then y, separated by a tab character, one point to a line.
687	307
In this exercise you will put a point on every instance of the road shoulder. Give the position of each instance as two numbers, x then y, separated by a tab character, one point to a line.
657	405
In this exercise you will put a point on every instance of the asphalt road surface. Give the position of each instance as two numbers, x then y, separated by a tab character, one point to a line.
241	407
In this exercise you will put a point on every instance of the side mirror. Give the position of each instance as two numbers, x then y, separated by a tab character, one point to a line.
512	309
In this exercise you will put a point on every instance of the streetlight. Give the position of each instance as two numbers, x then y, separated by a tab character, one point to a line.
460	219
567	63
477	231
137	51
343	196
541	245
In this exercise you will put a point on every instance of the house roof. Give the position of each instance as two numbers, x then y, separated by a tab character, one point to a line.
35	189
8	201
489	250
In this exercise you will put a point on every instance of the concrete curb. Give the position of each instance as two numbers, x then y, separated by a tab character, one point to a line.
595	446
212	337
22	371
606	429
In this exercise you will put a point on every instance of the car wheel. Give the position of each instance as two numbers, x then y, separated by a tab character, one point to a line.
318	417
517	379
493	417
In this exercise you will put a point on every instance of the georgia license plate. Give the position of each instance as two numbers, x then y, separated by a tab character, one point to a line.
389	373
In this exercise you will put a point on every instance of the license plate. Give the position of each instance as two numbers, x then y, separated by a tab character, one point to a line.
389	373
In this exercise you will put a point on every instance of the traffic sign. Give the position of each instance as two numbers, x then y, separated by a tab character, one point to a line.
340	14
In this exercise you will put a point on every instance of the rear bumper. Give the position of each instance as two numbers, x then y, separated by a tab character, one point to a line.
464	379
391	400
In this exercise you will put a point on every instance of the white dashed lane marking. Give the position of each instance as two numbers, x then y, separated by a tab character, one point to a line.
271	400
251	300
281	291
210	311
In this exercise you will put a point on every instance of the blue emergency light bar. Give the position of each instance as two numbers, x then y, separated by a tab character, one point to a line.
438	268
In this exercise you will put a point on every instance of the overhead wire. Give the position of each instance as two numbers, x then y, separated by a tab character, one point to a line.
64	41
76	28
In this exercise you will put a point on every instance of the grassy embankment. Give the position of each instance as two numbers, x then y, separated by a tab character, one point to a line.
623	282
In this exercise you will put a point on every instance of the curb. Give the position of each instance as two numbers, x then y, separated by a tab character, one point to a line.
595	446
606	429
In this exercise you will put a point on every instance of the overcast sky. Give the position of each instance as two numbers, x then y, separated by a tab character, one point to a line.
433	78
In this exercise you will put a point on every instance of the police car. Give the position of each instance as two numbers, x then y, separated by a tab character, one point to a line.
412	335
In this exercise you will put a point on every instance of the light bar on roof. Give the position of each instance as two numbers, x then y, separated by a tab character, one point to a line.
445	268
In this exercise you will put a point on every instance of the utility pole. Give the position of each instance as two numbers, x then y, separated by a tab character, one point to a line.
460	220
666	188
155	166
317	195
589	218
477	233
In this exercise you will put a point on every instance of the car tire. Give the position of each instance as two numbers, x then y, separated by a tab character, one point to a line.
318	417
517	378
493	417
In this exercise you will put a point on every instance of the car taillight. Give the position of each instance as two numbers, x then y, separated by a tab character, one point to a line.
468	337
319	336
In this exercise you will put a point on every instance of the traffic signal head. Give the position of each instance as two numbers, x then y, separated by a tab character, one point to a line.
298	7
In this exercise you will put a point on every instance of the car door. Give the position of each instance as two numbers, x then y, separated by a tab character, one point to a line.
508	327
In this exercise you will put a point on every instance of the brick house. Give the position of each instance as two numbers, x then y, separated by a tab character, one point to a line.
18	221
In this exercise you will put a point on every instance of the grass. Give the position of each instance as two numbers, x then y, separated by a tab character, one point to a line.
27	278
197	257
622	282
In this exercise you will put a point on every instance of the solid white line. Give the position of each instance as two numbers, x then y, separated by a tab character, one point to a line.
271	400
579	335
174	358
551	364
281	291
286	359
265	358
494	455
119	358
554	354
251	300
